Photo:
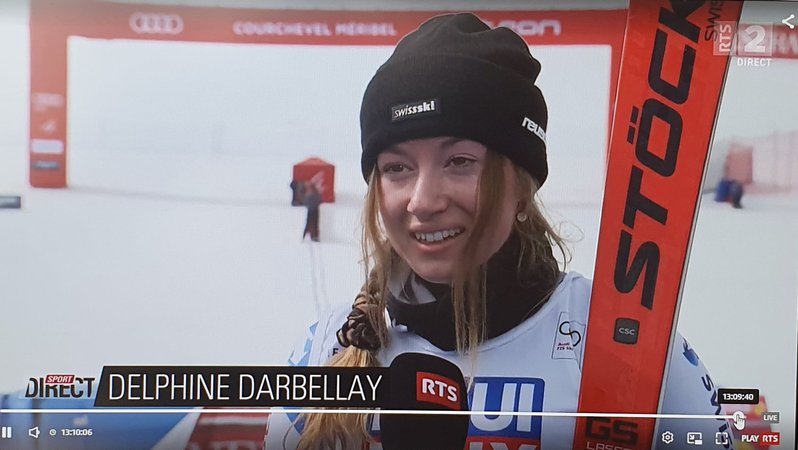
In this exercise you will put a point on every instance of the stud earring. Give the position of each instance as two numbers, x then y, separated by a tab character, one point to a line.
521	216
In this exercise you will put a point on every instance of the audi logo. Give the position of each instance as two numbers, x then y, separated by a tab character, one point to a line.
151	23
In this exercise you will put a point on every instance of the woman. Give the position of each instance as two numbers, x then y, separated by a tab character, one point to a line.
460	260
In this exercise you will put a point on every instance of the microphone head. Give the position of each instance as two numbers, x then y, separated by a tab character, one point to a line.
425	382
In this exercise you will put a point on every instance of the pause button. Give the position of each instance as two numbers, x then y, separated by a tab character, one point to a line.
5	432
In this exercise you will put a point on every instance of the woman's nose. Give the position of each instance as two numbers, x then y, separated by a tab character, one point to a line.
428	197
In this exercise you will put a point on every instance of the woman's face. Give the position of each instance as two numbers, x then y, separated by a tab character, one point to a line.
428	203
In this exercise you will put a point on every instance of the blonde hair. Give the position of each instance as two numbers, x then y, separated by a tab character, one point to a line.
536	264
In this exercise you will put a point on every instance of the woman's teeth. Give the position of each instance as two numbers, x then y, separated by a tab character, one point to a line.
438	235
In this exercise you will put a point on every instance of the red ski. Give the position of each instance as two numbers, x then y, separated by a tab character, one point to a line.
671	78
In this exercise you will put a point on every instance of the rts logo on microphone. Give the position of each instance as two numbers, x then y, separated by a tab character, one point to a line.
433	388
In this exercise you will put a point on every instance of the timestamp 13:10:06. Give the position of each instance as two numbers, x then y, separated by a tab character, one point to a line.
74	432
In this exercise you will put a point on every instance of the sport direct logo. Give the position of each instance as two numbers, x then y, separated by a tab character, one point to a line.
433	388
486	432
151	23
60	386
536	129
413	110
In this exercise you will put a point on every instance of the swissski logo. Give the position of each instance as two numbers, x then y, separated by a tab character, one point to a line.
486	432
415	109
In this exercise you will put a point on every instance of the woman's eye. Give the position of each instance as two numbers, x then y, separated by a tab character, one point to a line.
393	168
460	162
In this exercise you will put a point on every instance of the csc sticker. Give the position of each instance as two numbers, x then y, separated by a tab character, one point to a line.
626	330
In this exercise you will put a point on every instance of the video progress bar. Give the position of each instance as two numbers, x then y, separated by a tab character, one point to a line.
201	410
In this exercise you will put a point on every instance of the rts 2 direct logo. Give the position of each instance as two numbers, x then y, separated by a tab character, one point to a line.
60	386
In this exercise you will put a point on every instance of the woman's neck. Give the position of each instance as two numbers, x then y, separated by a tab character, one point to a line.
426	308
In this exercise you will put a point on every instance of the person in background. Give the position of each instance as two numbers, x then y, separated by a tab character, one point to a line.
730	191
312	201
297	192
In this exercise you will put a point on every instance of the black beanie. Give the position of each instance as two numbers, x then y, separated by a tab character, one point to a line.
455	76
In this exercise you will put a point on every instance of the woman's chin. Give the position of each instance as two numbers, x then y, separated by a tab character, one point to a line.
434	274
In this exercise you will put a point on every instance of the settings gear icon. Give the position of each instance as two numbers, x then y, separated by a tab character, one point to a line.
667	437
